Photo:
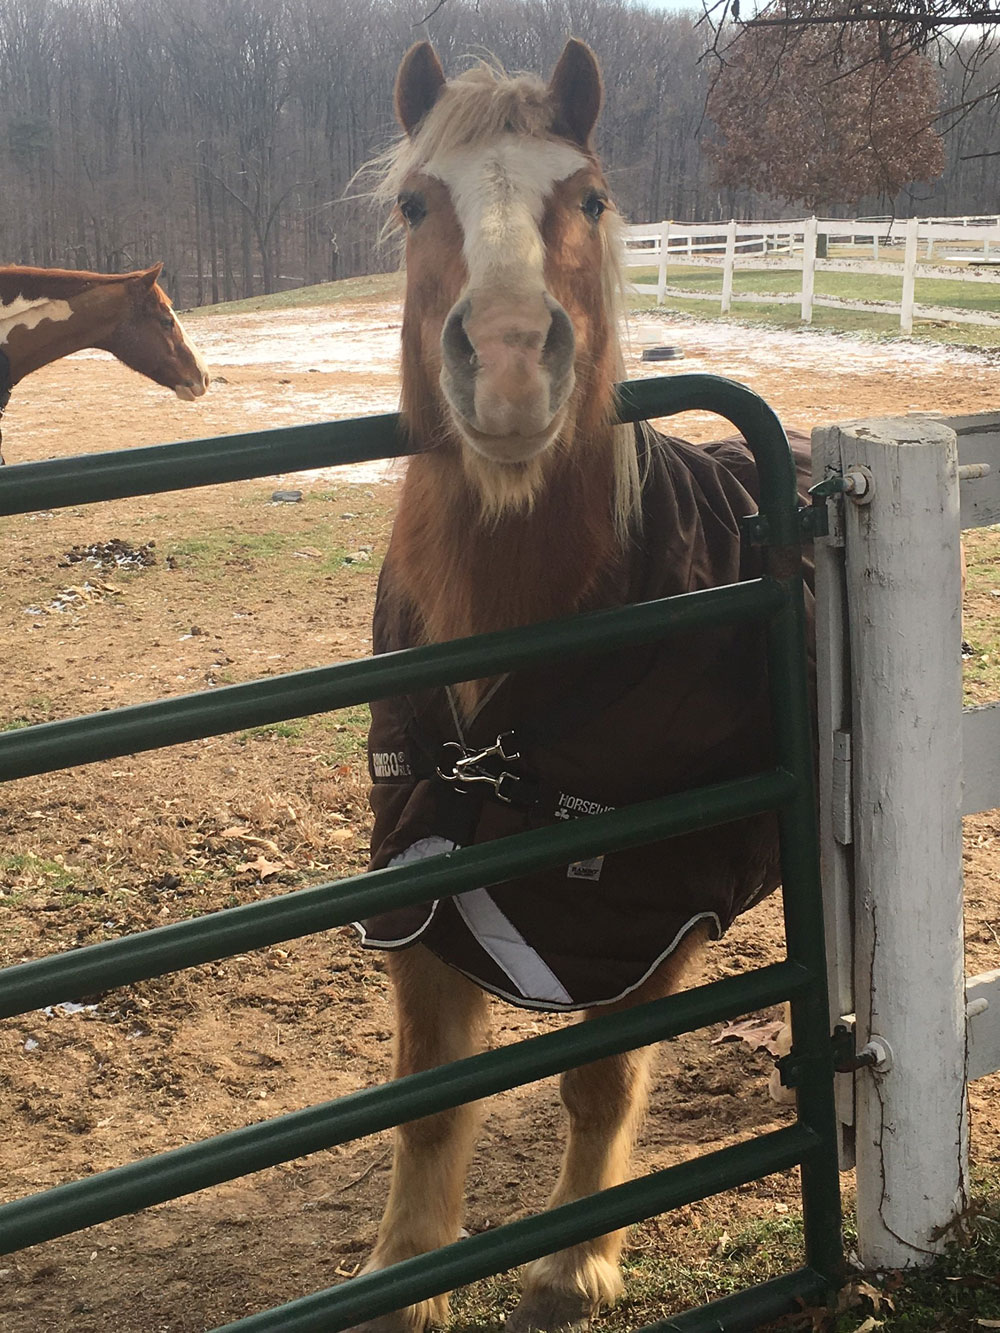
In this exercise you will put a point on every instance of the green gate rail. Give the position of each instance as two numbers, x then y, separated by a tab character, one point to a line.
776	600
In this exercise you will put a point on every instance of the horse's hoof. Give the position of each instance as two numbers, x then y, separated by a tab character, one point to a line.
550	1312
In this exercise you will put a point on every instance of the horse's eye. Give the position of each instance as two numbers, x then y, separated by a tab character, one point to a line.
413	208
594	205
167	321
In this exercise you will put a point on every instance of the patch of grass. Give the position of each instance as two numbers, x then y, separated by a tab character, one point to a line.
229	543
285	731
954	1295
36	708
350	733
960	1293
377	286
23	866
212	551
981	622
850	286
658	1282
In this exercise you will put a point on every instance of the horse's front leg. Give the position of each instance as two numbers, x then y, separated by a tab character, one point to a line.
605	1102
440	1016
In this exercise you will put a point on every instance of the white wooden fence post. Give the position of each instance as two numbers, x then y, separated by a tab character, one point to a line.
661	277
729	265
902	562
909	277
808	268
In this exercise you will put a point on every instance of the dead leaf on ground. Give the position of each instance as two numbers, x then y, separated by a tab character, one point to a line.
761	1036
262	868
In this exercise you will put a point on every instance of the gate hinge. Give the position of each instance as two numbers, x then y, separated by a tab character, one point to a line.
755	529
812	523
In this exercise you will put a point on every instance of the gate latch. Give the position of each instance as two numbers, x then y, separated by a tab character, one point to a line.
846	1059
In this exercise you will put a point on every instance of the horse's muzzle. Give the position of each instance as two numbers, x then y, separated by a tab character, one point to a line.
192	389
507	372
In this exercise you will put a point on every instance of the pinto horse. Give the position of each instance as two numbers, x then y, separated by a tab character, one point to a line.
524	501
48	313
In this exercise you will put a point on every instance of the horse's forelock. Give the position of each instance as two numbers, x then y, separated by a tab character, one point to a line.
473	108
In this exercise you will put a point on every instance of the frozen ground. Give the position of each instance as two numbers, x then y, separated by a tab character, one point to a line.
283	367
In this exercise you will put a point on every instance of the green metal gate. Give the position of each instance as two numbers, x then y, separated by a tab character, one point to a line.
775	599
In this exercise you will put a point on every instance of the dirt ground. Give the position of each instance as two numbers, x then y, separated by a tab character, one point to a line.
219	585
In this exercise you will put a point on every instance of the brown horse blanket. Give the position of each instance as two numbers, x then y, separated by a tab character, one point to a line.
593	734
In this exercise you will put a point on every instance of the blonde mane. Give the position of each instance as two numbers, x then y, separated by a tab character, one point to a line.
473	109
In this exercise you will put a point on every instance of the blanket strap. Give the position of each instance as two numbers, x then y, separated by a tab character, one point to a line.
492	772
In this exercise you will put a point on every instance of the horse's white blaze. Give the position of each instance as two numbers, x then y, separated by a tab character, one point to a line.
188	392
499	197
27	312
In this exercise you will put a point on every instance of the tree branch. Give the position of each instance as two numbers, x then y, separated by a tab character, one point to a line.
985	17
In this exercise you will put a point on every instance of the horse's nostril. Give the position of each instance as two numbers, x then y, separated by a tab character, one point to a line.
455	341
560	340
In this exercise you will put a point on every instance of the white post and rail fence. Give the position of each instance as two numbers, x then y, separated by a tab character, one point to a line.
966	249
900	763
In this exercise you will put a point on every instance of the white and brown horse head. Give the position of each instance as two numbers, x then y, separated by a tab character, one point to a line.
46	314
150	339
510	330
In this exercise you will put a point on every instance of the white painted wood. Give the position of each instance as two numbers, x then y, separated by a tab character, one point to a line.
842	789
941	229
981	767
982	995
909	274
727	271
661	277
808	269
905	628
955	316
978	442
833	708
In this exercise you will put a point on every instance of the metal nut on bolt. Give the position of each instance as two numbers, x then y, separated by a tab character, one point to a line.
877	1054
859	484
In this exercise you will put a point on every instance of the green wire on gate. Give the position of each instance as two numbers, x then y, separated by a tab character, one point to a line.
776	600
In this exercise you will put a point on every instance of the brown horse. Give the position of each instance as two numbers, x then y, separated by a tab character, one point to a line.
524	501
48	313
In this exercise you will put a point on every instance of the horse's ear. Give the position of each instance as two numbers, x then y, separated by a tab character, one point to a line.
418	83
576	92
149	277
